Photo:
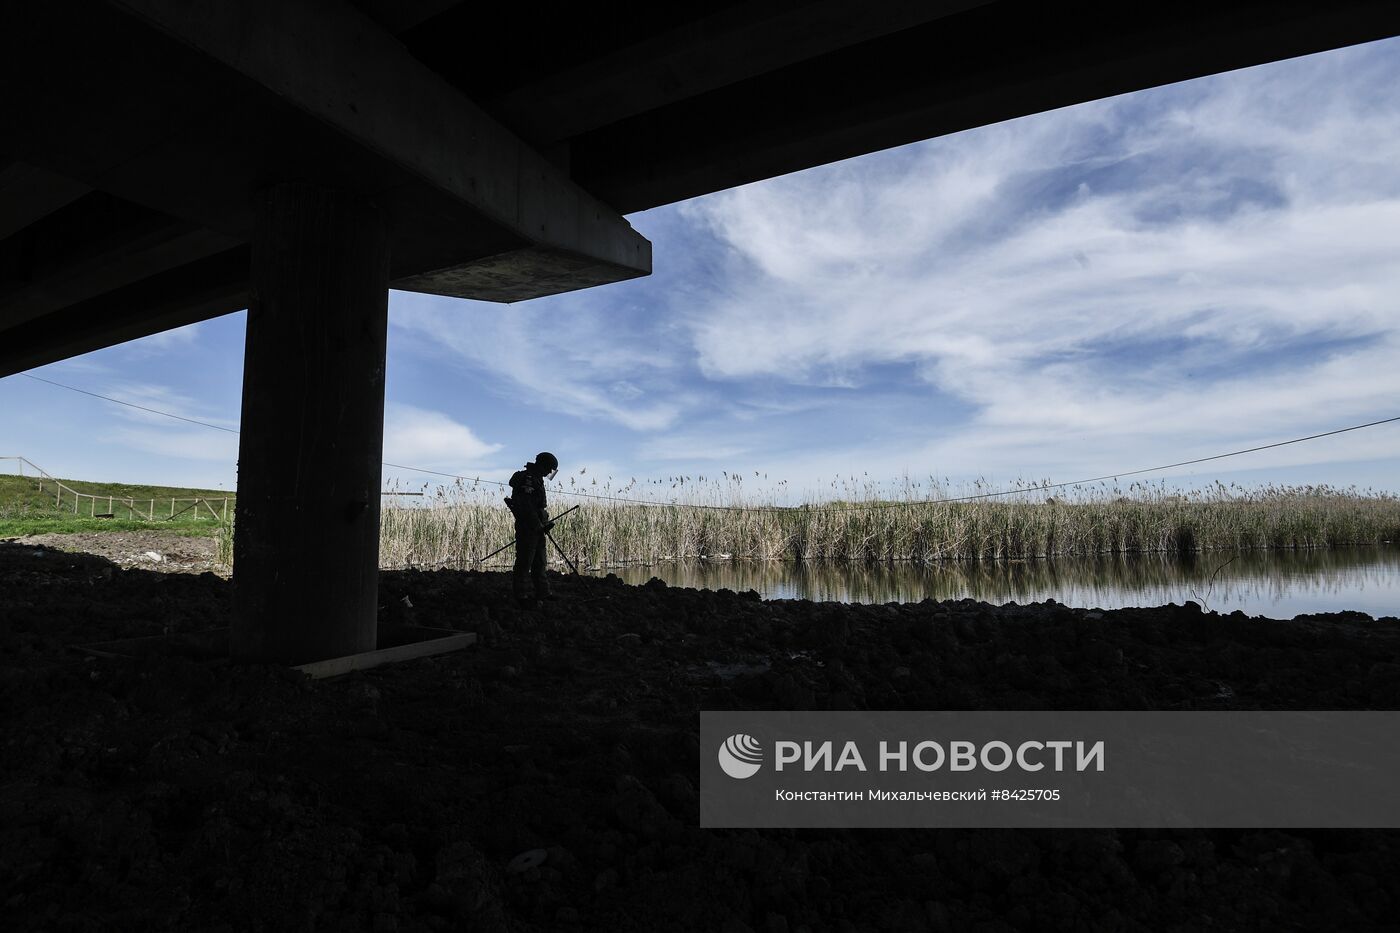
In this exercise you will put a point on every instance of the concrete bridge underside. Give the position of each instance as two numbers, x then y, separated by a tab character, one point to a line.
163	162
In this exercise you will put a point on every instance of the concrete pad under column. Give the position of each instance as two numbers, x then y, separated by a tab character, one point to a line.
306	542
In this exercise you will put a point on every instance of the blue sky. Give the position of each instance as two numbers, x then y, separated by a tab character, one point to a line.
1149	278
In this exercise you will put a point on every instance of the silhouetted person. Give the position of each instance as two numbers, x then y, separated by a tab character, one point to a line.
527	504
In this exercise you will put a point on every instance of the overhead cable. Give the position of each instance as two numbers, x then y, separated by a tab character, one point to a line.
871	506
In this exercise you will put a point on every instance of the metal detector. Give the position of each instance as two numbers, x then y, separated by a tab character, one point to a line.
512	541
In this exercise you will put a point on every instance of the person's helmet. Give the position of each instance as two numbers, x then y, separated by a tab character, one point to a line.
547	462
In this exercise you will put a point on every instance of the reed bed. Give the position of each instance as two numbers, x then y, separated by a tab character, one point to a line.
863	522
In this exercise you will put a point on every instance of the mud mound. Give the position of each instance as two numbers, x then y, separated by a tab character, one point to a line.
546	778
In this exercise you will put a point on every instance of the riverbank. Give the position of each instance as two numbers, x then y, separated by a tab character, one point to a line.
1279	584
460	525
169	794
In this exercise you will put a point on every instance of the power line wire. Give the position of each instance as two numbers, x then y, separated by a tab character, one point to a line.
807	509
984	495
108	398
906	503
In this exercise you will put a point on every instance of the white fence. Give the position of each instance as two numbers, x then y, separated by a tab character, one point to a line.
152	509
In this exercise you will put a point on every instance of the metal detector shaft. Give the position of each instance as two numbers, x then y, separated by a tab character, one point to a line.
512	540
561	553
497	551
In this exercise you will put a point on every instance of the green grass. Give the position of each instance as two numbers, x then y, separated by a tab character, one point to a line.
25	508
17	527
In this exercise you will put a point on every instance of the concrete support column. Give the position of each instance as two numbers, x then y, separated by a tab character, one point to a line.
306	543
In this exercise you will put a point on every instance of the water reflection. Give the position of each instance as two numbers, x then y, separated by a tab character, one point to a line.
1280	584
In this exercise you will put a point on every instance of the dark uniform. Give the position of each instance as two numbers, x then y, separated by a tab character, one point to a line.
527	503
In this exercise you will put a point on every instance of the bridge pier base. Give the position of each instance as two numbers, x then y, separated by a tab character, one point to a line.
306	540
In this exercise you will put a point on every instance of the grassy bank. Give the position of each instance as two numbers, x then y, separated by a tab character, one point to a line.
31	506
461	525
15	527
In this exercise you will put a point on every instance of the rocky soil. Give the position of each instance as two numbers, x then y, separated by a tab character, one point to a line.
545	779
154	550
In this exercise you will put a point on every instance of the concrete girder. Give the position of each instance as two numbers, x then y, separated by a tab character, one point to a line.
398	16
991	63
93	247
730	45
332	63
187	294
29	194
191	110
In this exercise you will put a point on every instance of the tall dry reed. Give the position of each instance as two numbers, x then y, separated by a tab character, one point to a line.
461	523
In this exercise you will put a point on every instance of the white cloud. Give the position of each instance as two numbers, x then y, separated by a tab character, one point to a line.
1130	282
191	443
166	341
162	402
1200	266
421	437
575	362
151	432
691	448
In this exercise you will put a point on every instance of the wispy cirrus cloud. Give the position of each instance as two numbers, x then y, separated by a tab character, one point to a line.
577	354
181	443
1205	263
157	403
151	432
164	342
1133	281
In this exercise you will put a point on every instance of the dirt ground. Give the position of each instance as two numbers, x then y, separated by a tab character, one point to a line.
168	794
152	550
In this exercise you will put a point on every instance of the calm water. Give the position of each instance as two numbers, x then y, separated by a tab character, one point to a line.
1278	584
